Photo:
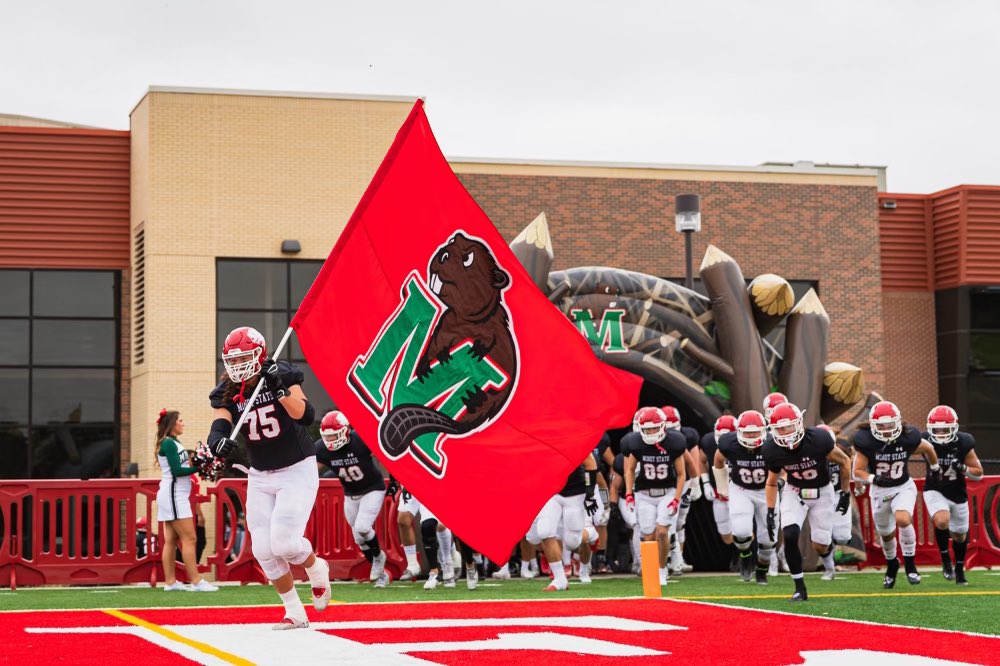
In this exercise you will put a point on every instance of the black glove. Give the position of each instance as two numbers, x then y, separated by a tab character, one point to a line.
221	448
392	487
406	496
772	526
959	467
269	369
844	503
590	504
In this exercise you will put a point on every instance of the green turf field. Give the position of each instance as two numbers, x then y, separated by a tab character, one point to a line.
934	603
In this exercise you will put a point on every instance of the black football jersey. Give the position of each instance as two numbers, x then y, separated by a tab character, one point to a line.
576	482
273	439
951	484
747	468
691	437
835	470
619	466
887	460
353	464
806	463
708	447
654	464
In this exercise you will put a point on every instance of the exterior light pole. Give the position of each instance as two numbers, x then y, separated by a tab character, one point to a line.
688	221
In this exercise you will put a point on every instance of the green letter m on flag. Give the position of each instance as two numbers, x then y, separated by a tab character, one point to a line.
385	377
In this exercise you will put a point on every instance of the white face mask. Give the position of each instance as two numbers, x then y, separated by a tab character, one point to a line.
242	365
334	439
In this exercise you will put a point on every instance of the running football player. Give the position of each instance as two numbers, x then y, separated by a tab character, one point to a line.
803	454
744	489
283	479
882	450
563	517
945	496
693	489
341	449
842	522
655	475
709	444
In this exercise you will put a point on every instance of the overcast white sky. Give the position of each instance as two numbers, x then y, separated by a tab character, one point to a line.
914	84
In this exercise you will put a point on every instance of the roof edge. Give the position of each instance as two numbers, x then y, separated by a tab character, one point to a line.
814	170
240	92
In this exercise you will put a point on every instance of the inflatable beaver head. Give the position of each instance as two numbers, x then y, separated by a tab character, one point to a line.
465	276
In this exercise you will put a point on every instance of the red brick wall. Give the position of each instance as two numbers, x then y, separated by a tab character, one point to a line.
911	355
826	233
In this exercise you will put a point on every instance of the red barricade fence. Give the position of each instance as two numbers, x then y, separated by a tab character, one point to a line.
68	532
984	527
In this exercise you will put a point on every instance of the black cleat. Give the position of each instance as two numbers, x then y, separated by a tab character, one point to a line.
746	566
761	575
947	570
891	569
912	577
800	591
960	575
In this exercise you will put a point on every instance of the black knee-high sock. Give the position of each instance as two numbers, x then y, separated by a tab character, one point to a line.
428	530
943	537
792	555
467	554
372	549
960	548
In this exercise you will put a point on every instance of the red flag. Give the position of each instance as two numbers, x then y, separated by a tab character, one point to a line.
464	380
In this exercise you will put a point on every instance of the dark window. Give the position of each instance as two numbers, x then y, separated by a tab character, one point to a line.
984	309
984	351
14	341
79	342
15	294
59	374
984	397
14	390
74	294
265	294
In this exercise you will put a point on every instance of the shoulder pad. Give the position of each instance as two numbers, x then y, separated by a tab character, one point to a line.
290	373
217	396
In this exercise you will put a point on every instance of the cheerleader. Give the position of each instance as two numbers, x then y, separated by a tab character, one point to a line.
173	505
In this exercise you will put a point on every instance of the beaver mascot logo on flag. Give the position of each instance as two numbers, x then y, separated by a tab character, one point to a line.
445	363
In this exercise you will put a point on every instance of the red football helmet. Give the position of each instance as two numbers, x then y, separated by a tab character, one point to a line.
833	435
751	429
942	424
723	424
333	429
786	426
242	353
772	400
673	417
886	421
652	424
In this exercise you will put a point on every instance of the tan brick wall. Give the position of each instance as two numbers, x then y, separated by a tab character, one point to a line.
801	229
911	352
223	175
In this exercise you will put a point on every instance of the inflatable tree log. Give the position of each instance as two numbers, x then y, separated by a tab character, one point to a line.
709	352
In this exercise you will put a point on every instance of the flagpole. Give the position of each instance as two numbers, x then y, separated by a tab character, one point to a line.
256	390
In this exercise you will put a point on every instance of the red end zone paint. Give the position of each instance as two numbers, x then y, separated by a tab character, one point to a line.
646	631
